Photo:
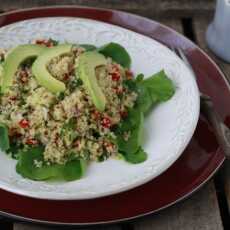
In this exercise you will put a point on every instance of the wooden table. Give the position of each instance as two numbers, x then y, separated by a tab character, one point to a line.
209	207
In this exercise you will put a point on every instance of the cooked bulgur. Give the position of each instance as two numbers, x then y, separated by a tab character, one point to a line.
67	124
63	106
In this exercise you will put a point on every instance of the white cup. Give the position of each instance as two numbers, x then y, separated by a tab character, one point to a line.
218	33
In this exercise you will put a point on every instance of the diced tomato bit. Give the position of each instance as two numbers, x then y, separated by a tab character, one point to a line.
129	74
13	98
66	77
47	43
31	141
17	135
24	123
96	115
106	122
123	114
116	76
107	144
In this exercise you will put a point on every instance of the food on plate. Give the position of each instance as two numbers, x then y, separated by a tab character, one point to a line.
63	106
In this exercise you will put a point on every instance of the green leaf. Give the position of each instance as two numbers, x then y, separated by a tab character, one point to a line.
88	47
117	52
72	170
135	127
14	149
145	100
155	89
130	85
4	138
135	158
160	86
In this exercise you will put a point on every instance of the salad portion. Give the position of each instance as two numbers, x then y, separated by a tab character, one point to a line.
63	106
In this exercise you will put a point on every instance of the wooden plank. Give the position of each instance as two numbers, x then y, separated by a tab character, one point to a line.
173	23
22	226
148	8
200	26
198	212
187	8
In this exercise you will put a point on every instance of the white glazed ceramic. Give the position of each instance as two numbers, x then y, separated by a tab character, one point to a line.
168	128
218	33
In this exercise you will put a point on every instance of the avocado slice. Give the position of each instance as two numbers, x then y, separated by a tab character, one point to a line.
41	73
88	62
13	60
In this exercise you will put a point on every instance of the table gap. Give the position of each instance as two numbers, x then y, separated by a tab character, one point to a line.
187	26
6	224
127	226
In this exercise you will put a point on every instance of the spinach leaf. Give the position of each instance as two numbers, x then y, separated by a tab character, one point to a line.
72	170
14	149
155	89
160	87
138	157
144	101
135	128
4	138
117	52
88	47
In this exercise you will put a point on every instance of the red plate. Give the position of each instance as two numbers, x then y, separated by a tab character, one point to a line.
197	164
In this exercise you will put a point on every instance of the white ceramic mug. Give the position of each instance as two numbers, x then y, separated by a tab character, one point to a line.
218	33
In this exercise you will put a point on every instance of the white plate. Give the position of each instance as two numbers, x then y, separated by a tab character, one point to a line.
168	128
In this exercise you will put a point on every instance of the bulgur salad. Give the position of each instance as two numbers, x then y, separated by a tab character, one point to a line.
63	106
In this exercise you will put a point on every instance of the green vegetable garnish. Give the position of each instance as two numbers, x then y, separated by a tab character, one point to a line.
135	158
4	139
117	52
151	91
26	166
134	125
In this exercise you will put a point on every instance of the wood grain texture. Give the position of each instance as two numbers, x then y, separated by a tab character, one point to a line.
22	226
172	23
200	26
200	212
187	8
148	8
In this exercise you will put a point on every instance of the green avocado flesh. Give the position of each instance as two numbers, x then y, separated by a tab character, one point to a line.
88	62
13	60
41	73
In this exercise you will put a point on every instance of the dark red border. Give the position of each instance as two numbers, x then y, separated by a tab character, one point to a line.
197	164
